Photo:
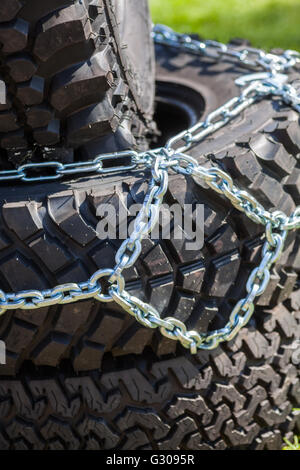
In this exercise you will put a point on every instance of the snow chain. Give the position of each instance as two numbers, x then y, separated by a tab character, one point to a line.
269	79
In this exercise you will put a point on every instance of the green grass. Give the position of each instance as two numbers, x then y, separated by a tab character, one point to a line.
266	23
292	445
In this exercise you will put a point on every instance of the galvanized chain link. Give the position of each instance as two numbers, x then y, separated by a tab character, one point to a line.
34	172
108	285
249	57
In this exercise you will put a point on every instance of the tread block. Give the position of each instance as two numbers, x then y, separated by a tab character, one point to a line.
120	93
14	140
273	154
287	324
264	374
4	241
269	441
87	356
8	121
187	373
82	84
91	395
63	29
94	426
119	140
183	254
185	426
157	262
49	135
14	36
257	344
90	123
146	392
269	190
103	254
184	306
293	133
60	434
273	415
230	366
269	295
240	437
20	273
24	436
50	349
191	277
21	67
49	392
50	252
63	211
72	316
224	269
9	9
230	393
195	404
256	396
288	282
222	238
76	272
292	185
22	218
31	317
163	346
160	292
136	439
39	116
19	336
21	400
222	413
109	327
34	10
31	92
133	341
144	418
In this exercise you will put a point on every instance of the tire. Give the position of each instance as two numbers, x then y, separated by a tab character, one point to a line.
88	376
72	82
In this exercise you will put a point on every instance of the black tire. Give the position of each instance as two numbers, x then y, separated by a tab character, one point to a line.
87	375
72	80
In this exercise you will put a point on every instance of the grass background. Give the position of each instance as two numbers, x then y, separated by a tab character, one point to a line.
266	23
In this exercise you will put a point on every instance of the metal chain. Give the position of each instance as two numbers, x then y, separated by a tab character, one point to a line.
249	57
101	165
271	82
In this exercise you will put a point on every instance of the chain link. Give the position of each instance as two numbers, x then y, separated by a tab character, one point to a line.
108	285
250	58
101	165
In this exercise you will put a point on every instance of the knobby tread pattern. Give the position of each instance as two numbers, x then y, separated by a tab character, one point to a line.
66	85
144	391
49	240
239	397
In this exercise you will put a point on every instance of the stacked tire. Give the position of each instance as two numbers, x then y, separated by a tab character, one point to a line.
80	82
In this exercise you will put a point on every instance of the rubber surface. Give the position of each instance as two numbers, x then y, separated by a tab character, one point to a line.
146	391
70	80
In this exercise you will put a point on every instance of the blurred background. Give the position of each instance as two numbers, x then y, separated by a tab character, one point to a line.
266	23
